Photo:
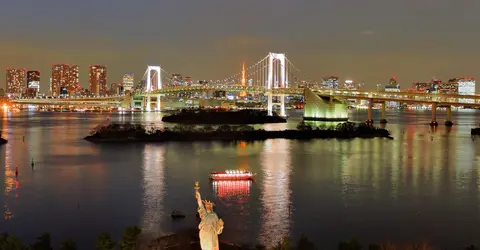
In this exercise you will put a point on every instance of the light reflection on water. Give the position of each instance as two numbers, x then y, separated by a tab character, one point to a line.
275	198
9	174
153	184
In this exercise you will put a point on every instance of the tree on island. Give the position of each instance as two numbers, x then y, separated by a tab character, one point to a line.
352	244
44	242
304	127
104	242
305	244
11	242
472	247
130	238
68	244
208	128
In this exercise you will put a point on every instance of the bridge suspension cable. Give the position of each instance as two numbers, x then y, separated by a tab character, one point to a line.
258	74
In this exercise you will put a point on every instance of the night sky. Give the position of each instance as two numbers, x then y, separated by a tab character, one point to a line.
365	40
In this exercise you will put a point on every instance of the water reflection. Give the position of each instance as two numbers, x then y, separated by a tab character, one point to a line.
276	193
372	189
243	161
232	189
154	189
10	181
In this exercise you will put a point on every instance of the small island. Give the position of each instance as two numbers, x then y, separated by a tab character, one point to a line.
216	116
122	133
2	141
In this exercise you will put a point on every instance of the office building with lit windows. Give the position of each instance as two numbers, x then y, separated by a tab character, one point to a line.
16	81
392	86
64	77
330	82
350	85
128	81
466	86
98	80
33	83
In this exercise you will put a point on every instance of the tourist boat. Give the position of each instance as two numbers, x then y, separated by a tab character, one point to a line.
232	175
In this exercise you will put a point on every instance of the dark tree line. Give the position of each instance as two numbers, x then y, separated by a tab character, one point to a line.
104	241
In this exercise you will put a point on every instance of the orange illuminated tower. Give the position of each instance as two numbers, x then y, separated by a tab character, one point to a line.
244	81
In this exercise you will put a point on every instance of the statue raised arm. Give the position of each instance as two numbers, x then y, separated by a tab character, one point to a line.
201	207
210	226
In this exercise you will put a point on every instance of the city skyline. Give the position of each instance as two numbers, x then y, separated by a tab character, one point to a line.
369	43
72	73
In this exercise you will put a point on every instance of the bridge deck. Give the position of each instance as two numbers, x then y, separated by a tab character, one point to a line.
404	97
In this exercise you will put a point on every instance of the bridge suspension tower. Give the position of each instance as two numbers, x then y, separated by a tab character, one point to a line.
153	81
277	77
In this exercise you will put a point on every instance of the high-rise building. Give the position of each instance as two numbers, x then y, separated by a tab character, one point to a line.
450	87
392	81
64	76
16	81
177	79
128	81
466	86
98	80
330	82
33	83
113	88
350	85
120	90
74	83
50	87
434	86
392	86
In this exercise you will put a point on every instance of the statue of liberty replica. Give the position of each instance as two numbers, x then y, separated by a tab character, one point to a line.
210	226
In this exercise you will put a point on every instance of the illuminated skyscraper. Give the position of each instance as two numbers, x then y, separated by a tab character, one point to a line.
176	79
330	82
393	81
393	85
466	86
33	83
64	76
98	80
128	81
16	81
50	87
74	84
350	85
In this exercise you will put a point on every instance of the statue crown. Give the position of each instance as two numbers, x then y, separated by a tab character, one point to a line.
208	203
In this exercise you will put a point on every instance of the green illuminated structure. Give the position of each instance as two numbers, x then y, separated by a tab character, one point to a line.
322	108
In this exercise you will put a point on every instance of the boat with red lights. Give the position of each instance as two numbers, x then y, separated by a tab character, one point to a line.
232	175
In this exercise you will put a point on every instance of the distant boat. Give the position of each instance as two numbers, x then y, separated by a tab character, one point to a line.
232	175
177	215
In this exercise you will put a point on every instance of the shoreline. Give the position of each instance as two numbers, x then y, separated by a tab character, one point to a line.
117	134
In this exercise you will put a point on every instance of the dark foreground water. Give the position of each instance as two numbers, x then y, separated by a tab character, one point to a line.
424	185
